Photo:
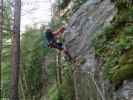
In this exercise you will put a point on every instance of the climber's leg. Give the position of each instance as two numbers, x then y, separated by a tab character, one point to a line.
52	44
68	54
60	47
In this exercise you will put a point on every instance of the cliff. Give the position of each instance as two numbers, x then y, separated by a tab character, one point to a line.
89	79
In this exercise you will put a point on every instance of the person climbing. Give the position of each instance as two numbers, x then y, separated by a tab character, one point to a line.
52	40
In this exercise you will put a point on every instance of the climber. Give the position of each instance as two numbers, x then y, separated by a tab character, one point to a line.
52	40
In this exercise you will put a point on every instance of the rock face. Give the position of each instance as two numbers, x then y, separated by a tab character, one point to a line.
84	24
126	92
89	19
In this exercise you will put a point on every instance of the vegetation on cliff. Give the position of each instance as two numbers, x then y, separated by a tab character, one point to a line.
114	45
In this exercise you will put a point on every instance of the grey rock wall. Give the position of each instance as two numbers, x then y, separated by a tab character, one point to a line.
83	25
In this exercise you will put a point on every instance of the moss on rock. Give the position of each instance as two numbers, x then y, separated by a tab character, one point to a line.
115	45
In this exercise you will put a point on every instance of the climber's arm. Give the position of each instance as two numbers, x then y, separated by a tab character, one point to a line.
60	31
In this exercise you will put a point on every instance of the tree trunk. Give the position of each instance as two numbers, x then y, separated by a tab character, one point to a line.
59	74
15	51
44	91
59	69
1	37
44	76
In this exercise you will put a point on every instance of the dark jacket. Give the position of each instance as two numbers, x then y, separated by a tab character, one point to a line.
49	36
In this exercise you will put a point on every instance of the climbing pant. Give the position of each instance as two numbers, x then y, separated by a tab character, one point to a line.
60	47
56	45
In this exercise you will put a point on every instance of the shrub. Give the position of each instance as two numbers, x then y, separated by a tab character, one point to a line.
115	47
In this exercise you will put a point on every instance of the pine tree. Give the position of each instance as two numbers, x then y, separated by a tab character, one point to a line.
15	50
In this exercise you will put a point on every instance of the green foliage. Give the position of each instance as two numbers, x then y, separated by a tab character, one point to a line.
6	71
77	4
55	24
114	46
52	71
32	55
6	52
54	93
123	18
125	69
66	89
63	3
68	85
33	52
123	4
